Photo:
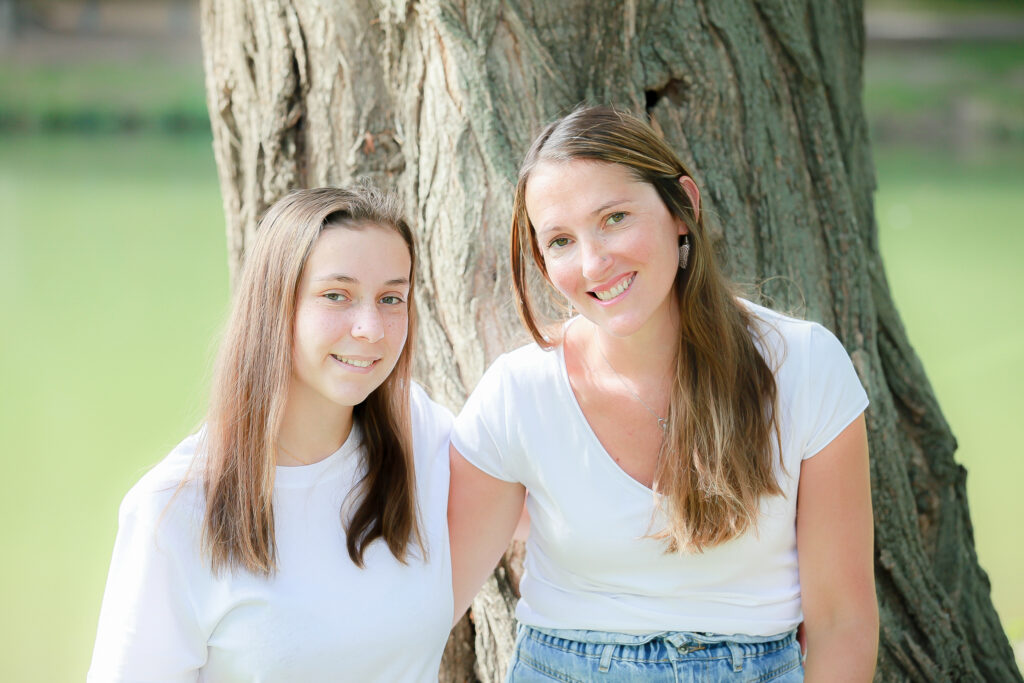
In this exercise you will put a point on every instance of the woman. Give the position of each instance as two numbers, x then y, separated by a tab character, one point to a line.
696	464
300	536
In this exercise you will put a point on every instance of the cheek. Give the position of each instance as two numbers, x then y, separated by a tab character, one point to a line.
316	328
562	275
647	247
397	331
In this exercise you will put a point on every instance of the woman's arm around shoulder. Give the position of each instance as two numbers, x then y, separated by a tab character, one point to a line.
483	512
148	627
835	543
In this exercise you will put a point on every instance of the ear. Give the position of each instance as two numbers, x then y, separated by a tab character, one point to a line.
690	188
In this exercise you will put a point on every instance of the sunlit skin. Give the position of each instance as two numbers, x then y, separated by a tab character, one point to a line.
601	229
351	323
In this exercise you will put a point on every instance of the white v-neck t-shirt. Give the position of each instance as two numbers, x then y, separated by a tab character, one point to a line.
590	563
166	617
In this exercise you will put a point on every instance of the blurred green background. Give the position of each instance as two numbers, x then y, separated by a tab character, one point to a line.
113	277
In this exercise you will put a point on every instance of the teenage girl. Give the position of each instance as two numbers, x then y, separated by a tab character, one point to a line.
300	535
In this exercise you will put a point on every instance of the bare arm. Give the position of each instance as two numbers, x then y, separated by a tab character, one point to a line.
482	515
835	540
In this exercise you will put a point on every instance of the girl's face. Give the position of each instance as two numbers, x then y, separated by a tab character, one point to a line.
609	243
351	313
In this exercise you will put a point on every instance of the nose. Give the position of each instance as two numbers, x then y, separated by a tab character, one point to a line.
368	324
595	261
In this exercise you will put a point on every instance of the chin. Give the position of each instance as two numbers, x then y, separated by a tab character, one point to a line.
350	399
617	326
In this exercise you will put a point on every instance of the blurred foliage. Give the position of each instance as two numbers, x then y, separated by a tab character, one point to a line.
949	94
87	96
947	6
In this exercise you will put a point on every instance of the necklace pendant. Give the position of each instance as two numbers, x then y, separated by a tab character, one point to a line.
663	423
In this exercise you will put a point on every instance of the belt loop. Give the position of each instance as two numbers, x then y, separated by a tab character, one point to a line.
737	655
606	658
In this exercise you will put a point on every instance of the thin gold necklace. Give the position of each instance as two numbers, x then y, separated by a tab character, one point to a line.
662	422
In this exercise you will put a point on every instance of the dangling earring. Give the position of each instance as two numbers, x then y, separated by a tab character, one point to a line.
684	252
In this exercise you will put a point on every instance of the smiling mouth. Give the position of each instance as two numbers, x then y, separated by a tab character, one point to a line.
609	294
354	362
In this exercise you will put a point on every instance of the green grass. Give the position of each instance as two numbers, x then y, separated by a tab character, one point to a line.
113	281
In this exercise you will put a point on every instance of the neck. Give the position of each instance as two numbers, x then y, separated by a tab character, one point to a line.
312	429
650	352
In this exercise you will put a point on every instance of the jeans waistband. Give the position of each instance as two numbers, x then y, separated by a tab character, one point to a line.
674	638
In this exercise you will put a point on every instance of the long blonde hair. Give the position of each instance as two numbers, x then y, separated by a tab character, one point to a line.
250	387
717	457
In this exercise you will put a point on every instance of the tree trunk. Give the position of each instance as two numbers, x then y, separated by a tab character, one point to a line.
440	100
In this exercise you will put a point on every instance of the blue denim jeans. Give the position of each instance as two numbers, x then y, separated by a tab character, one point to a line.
677	657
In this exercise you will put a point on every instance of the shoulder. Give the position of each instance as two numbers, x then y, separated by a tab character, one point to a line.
523	376
789	344
162	514
806	357
170	492
425	409
784	327
523	368
431	432
431	424
527	355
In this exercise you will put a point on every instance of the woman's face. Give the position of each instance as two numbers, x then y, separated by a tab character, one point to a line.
609	243
351	313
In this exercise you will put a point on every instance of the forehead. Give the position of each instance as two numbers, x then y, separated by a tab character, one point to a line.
561	188
370	249
580	169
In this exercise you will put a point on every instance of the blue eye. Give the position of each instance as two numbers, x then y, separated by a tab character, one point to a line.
335	296
616	217
558	242
391	300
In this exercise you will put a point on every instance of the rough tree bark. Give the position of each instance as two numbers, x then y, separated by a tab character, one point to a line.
439	100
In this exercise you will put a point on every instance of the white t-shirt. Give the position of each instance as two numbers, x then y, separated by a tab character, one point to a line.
166	617
589	561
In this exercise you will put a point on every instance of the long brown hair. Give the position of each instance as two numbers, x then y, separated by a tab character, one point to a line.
250	387
716	461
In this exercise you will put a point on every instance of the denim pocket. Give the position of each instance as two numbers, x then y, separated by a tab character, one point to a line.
523	672
540	658
781	666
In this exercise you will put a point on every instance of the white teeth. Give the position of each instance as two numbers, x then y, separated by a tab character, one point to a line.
357	363
616	290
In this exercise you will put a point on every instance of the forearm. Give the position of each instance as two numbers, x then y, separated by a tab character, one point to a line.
835	544
844	652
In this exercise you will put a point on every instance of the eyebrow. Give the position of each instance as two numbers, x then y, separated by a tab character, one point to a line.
601	209
348	279
607	205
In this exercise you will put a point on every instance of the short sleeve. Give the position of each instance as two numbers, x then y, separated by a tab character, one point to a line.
480	432
148	629
834	396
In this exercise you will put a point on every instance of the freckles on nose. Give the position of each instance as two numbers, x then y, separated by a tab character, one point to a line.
368	319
